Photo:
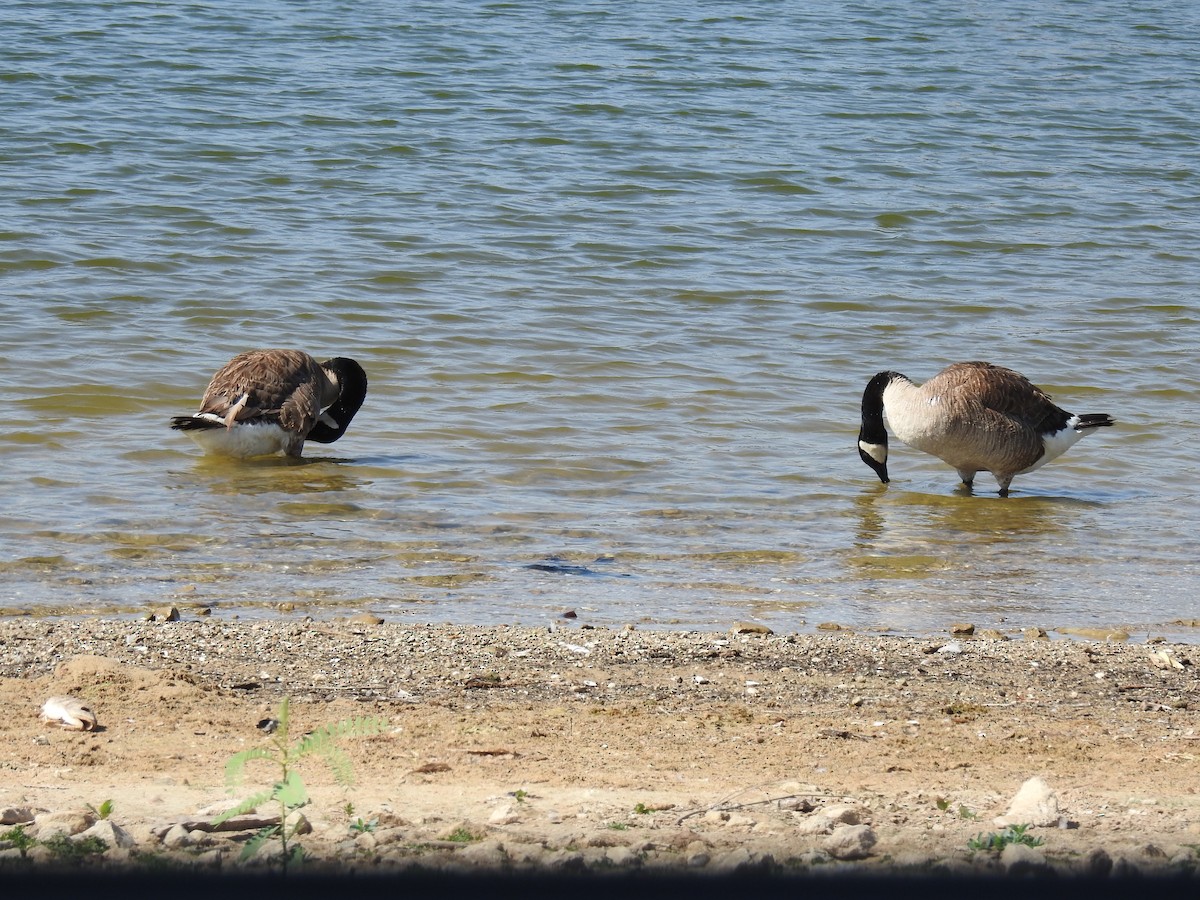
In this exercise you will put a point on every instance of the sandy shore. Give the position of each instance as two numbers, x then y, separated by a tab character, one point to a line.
584	750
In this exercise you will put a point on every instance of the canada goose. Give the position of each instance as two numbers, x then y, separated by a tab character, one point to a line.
267	401
975	416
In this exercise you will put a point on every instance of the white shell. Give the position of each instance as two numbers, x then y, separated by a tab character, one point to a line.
70	712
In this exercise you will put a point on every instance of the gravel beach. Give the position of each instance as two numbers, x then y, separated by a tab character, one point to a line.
570	749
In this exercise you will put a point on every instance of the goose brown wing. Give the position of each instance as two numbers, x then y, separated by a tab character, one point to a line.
1007	393
277	384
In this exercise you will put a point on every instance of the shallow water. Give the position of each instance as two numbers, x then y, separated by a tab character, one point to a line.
618	276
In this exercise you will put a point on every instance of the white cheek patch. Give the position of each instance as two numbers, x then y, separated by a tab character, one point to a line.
877	452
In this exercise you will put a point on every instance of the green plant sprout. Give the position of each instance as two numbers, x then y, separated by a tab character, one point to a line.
103	811
1013	834
289	792
20	841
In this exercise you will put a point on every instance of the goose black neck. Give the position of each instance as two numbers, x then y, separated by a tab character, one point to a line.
353	383
872	430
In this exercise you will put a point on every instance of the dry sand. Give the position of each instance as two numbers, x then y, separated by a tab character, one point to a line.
570	749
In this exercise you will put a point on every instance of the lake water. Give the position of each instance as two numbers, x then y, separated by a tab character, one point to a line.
618	274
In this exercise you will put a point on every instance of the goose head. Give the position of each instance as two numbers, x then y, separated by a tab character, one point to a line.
872	435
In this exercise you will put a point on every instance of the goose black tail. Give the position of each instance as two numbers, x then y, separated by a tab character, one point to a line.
192	423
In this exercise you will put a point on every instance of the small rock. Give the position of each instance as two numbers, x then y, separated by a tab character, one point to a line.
750	628
485	854
113	835
365	618
69	823
163	614
366	841
621	856
297	824
1021	859
962	628
16	815
1098	863
818	824
1034	804
503	815
850	842
736	860
845	815
176	837
696	855
1116	635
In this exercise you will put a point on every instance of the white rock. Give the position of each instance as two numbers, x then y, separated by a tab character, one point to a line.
16	815
176	837
850	842
1034	804
1021	859
366	841
735	860
621	856
503	815
112	835
486	854
815	824
67	823
844	815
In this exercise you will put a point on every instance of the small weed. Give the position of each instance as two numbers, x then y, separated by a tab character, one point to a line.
289	792
1013	834
71	851
20	841
461	836
348	809
358	826
103	811
618	826
642	809
520	794
963	813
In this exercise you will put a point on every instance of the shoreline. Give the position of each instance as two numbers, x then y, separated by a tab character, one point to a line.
578	749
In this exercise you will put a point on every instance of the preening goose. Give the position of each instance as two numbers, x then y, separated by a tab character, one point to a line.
267	401
975	416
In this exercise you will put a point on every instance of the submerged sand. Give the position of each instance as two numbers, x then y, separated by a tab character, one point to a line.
570	749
